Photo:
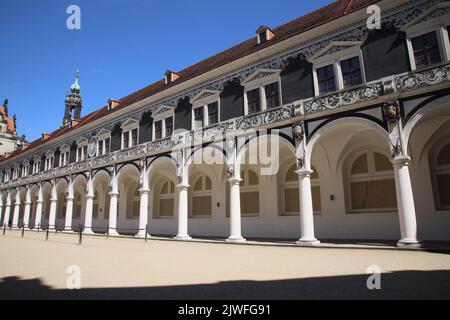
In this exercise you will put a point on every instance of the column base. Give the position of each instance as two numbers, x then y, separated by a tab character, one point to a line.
307	242
409	244
140	235
183	237
88	231
235	240
113	233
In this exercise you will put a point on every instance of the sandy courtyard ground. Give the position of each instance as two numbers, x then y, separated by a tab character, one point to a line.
129	268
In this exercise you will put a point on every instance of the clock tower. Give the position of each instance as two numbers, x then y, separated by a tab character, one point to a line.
73	102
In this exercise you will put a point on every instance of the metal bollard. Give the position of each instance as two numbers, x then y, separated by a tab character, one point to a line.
23	230
107	232
4	229
39	227
146	236
80	239
46	233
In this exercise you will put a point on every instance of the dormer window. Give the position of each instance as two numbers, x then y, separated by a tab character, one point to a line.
49	159
264	34
163	123
170	76
64	156
130	134
82	150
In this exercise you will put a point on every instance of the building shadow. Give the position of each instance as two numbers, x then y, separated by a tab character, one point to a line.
395	285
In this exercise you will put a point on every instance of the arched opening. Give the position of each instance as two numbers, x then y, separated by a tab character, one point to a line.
128	204
201	197
370	183
440	172
100	213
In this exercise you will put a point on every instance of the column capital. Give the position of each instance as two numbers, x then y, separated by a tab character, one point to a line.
112	193
234	180
70	198
143	191
183	186
400	161
302	172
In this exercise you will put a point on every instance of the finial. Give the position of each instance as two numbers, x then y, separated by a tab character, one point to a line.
76	87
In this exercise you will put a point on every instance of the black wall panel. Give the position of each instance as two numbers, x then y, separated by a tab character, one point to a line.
231	101
297	80
183	114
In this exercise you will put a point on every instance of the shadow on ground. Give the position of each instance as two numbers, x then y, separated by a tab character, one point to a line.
395	285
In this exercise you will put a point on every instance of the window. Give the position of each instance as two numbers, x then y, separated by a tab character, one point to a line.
158	130
249	193
82	152
169	126
202	197
426	49
15	174
64	156
326	80
25	168
198	117
205	109
166	199
36	165
291	199
371	184
213	113
272	95
130	138
6	176
338	66
262	37
440	168
351	72
253	101
134	204
48	164
95	206
103	145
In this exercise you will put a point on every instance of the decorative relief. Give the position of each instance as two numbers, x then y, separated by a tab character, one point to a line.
340	99
420	79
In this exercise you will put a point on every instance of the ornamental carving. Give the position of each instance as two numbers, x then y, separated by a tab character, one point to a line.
392	111
298	131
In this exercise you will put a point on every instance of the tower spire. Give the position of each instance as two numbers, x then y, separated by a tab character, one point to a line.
73	101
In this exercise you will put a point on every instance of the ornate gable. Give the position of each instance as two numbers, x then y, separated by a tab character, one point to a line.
440	11
204	94
334	48
261	73
162	110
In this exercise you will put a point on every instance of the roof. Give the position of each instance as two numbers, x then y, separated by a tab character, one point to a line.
297	26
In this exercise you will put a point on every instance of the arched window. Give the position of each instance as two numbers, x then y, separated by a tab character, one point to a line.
291	193
201	197
167	199
441	178
249	193
370	184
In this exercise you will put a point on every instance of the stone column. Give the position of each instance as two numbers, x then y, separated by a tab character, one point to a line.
89	206
113	213
69	207
235	211
15	222
143	212
306	208
27	210
53	205
183	212
405	203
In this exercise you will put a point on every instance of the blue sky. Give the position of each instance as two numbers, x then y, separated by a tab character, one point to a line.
123	45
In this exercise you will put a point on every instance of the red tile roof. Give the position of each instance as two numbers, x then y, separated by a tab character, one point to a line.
299	25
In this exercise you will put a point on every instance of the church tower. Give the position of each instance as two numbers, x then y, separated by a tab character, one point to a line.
73	102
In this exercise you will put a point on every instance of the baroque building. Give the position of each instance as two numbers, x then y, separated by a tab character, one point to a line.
321	128
9	140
